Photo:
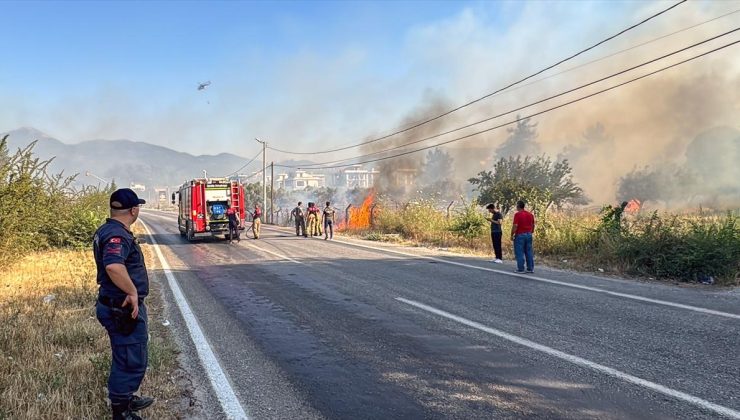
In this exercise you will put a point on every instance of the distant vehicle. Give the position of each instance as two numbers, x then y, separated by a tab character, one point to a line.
202	206
204	85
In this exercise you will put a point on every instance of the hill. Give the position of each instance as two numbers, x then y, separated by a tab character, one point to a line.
126	161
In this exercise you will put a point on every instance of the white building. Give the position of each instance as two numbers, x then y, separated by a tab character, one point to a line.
358	177
137	187
280	180
405	177
302	180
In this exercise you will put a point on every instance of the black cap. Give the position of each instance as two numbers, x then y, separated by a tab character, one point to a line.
125	198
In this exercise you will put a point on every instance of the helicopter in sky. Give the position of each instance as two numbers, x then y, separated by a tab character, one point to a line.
204	85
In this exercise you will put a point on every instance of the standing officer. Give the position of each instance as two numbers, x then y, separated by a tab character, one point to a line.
120	307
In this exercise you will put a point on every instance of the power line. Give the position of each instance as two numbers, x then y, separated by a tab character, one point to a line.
534	114
245	165
642	44
420	123
317	165
256	173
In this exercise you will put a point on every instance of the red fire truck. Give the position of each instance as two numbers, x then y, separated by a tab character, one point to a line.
203	203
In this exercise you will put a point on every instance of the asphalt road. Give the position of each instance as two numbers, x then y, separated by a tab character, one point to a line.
307	328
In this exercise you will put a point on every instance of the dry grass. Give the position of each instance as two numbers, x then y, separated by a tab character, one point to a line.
55	356
675	247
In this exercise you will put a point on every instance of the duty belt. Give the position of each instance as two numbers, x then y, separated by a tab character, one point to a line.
111	302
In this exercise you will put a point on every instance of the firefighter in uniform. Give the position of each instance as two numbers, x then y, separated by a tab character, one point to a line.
120	308
319	220
233	216
313	214
256	221
300	220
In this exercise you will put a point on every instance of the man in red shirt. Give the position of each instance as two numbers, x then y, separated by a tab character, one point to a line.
521	234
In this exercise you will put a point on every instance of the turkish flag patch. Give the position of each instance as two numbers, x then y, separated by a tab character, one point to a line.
115	240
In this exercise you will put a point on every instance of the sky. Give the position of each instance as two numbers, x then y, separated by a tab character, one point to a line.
331	70
307	76
83	70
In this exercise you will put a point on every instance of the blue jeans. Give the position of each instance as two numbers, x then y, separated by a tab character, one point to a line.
328	229
523	248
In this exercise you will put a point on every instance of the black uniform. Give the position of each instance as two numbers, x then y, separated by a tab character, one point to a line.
496	234
300	221
113	244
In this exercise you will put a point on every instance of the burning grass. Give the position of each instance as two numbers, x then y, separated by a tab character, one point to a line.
55	356
360	218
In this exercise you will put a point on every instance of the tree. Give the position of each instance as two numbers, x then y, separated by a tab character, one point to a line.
538	181
436	175
521	140
594	140
320	195
253	194
639	184
665	183
438	165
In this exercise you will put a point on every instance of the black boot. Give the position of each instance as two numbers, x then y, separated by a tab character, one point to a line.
122	412
139	403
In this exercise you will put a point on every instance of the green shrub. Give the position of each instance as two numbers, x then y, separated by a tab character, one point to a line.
39	210
469	223
417	220
681	247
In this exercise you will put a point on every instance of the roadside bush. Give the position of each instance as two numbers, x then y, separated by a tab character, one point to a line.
665	246
39	210
469	223
683	248
417	220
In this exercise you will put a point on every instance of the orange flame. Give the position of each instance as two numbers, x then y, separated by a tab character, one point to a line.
633	206
359	217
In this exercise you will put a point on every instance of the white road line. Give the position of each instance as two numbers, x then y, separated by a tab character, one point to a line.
226	396
560	283
543	280
725	411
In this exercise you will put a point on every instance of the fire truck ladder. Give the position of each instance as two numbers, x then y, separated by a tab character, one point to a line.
235	199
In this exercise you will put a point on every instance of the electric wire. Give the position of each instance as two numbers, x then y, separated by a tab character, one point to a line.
319	165
448	112
245	165
254	174
533	114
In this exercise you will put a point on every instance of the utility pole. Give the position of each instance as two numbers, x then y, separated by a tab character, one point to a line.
264	175
272	191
